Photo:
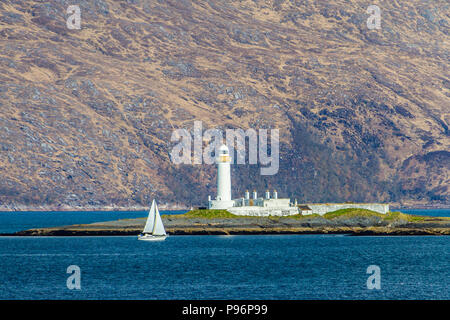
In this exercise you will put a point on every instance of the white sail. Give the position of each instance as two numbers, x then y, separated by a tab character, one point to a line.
158	228
149	225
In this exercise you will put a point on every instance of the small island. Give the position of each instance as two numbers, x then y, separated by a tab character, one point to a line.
356	222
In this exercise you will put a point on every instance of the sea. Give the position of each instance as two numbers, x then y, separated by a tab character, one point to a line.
299	267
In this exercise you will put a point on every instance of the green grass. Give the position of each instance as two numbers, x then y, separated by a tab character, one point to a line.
390	216
352	212
206	214
403	216
343	213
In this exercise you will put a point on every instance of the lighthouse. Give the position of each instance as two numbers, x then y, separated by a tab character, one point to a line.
262	206
223	174
223	199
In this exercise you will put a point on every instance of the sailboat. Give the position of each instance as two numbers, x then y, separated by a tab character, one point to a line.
154	228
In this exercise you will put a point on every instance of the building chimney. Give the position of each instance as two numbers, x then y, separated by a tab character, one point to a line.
255	195
247	195
267	194
275	194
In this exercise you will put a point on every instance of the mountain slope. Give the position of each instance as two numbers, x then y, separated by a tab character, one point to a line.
86	115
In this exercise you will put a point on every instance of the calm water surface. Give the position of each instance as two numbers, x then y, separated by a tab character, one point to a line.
16	221
218	267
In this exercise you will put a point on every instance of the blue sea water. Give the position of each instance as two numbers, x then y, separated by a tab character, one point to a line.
16	221
222	267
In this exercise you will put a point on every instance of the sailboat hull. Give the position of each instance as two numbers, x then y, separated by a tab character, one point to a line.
150	237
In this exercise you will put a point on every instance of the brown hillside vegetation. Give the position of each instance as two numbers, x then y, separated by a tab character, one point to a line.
86	115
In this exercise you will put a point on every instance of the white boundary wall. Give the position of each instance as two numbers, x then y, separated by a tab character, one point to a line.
322	208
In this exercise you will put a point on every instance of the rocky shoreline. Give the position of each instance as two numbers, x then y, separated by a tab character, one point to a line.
356	226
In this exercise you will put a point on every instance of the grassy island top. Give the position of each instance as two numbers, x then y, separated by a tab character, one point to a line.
206	214
338	214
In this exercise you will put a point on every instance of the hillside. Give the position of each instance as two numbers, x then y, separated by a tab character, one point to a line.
86	115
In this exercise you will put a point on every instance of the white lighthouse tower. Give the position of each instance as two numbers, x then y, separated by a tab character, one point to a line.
223	199
223	174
